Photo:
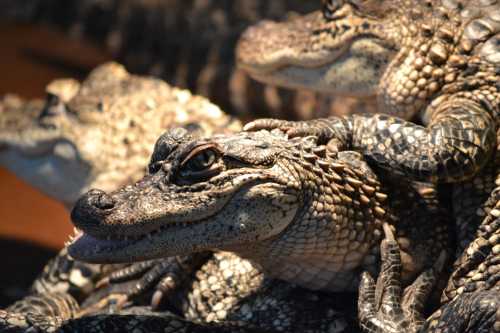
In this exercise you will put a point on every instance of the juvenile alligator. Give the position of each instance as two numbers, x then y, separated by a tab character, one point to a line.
434	60
300	212
99	133
437	60
188	43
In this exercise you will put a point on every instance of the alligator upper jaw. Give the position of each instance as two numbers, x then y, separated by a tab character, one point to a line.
270	46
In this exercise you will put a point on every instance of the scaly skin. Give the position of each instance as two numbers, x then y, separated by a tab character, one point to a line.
471	299
187	43
99	133
435	60
66	283
470	302
260	196
227	294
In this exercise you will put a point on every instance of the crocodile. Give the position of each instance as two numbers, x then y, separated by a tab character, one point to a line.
188	43
435	62
299	212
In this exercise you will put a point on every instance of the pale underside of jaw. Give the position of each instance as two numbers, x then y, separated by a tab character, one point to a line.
294	60
114	249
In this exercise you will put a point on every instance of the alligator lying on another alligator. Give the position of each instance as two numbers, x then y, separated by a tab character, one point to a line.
464	92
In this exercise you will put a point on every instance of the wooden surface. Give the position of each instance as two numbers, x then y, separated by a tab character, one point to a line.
30	58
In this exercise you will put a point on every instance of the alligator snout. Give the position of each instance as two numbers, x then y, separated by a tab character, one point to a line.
92	208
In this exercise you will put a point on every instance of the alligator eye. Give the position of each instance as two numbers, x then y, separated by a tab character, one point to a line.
201	161
200	164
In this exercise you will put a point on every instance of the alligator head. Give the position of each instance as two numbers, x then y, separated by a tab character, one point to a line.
279	202
96	134
39	143
343	49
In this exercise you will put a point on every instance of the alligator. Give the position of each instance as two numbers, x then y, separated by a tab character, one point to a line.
434	62
122	105
188	43
437	61
228	294
97	134
295	209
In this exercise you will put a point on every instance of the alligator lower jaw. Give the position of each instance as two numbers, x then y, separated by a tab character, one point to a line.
88	248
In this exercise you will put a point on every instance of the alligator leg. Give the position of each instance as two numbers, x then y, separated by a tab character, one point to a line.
162	276
456	143
475	286
138	319
383	306
38	313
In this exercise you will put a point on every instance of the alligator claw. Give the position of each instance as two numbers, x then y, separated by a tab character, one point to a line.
157	277
384	306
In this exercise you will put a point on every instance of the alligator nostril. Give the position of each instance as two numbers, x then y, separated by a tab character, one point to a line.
104	201
99	199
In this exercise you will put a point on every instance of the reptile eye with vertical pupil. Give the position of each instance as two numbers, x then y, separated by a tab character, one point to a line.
201	161
200	164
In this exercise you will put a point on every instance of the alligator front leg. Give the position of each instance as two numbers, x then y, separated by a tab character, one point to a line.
160	277
457	142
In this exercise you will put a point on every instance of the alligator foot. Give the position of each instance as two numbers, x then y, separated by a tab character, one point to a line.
384	306
327	130
161	276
